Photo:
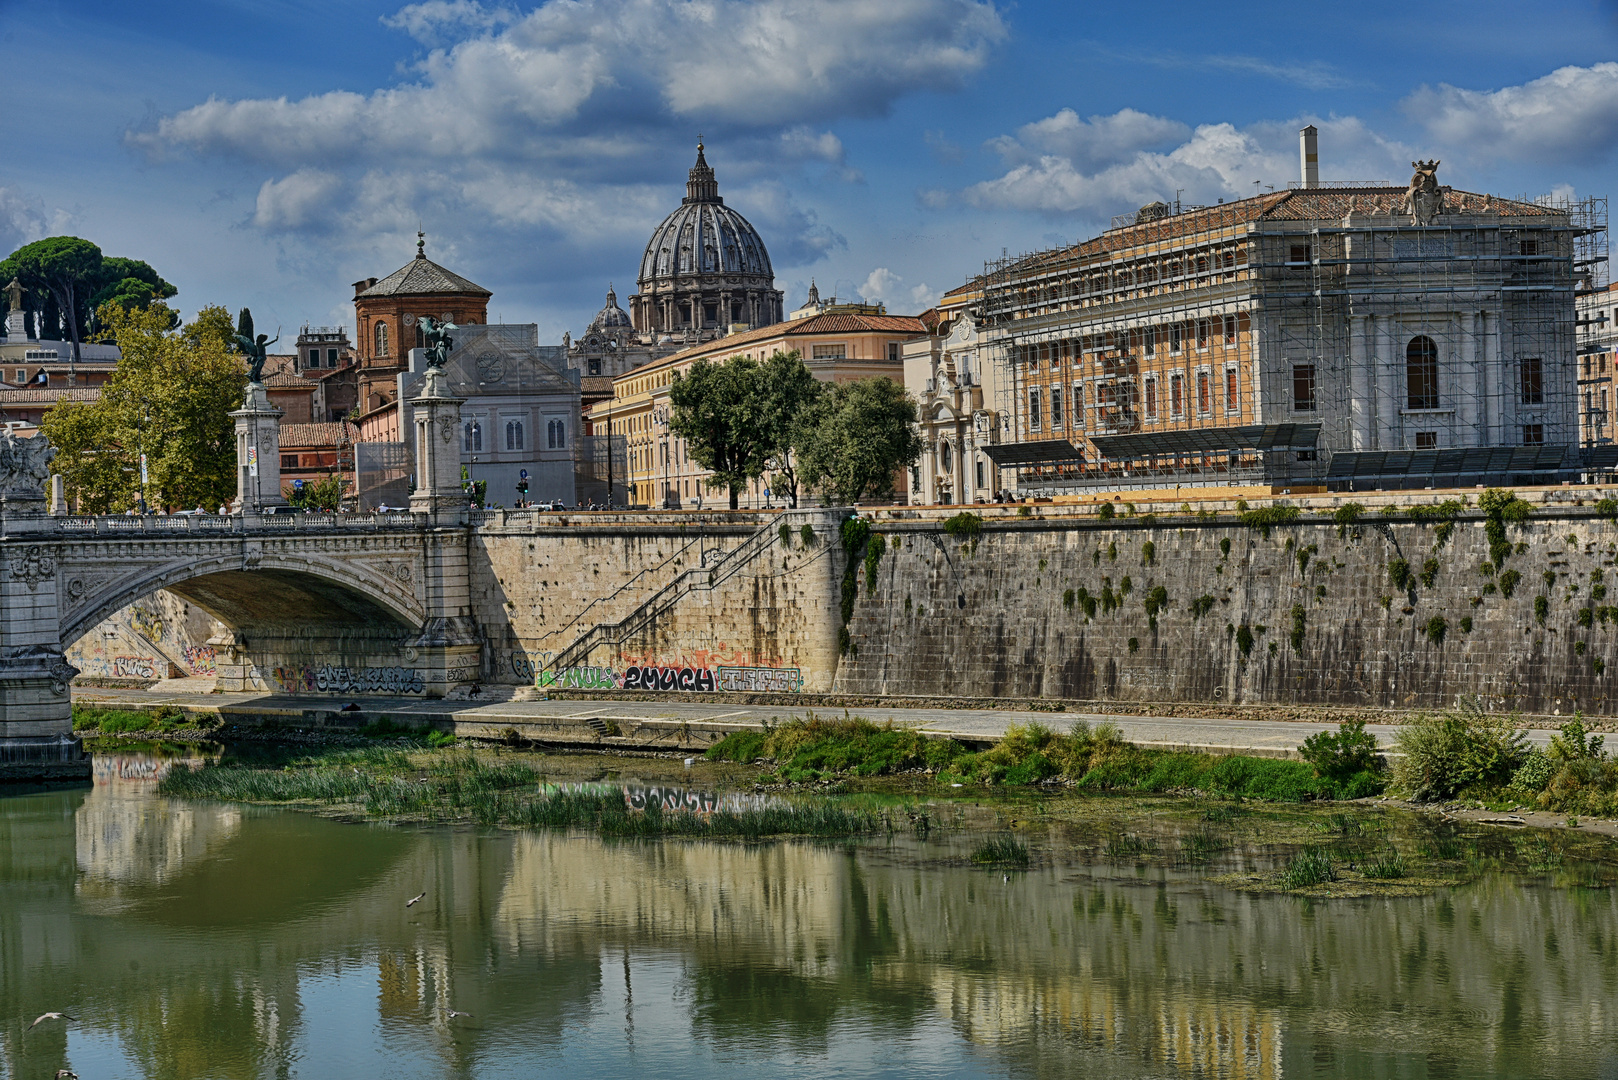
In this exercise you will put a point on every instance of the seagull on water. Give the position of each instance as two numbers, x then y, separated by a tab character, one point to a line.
66	1074
415	900
50	1016
452	1014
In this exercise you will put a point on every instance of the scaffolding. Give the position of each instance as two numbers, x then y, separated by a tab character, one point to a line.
1323	308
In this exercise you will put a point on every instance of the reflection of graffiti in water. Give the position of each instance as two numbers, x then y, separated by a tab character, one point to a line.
674	799
200	659
333	679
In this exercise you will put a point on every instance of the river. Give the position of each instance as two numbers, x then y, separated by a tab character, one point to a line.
196	940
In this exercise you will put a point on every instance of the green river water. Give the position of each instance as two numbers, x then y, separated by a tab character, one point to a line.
197	940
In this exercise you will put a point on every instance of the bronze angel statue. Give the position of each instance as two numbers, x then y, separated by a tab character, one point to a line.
255	351
438	343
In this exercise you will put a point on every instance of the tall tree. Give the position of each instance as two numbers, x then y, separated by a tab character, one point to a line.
169	399
865	435
63	267
717	412
789	399
129	283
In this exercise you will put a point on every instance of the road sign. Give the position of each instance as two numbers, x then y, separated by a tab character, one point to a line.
522	474
297	485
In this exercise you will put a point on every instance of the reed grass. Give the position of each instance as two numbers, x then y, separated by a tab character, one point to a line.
1003	850
1311	866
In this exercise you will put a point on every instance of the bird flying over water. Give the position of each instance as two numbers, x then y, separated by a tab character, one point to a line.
415	900
49	1016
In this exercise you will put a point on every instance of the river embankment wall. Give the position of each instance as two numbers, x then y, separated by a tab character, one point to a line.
1385	611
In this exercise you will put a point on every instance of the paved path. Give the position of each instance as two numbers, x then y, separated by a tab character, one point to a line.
1263	736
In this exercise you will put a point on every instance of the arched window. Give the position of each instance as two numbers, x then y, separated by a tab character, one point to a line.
513	434
473	437
556	435
1421	372
381	339
943	455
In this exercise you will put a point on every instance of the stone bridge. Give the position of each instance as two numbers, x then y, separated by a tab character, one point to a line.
380	599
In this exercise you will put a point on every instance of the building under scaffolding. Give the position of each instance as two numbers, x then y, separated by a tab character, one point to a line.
1346	335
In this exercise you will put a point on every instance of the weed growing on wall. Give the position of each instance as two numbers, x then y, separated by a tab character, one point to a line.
1106	512
965	526
874	550
807	535
1134	645
1087	602
1244	640
1465	624
786	536
1399	574
1112	551
1148	553
1157	598
1304	555
1298	625
1542	608
1068	598
1429	572
1437	627
1267	517
1224	546
1508	582
856	533
1346	515
1125	587
1201	606
1501	508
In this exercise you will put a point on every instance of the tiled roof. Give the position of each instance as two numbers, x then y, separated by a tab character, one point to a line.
282	380
326	434
41	395
828	323
422	277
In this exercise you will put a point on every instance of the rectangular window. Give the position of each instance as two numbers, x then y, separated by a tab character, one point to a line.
20	375
1056	406
1078	404
1151	399
1149	336
1230	329
980	473
331	357
830	352
1426	440
1533	381
1204	394
1176	396
1174	338
1033	408
1303	387
1533	434
893	352
1299	253
1233	398
1528	247
314	357
289	461
1202	334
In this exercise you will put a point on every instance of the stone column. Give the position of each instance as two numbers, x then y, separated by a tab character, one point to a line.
1388	399
258	452
1467	412
437	416
36	720
1493	403
1361	401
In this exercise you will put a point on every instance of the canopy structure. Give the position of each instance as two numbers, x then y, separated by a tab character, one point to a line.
1450	468
1045	452
1209	440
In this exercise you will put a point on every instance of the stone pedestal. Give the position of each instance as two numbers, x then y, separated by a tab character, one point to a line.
258	452
438	457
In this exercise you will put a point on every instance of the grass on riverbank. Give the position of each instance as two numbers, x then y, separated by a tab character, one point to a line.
1092	759
90	721
489	790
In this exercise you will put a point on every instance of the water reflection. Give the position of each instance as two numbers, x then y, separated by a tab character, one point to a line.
205	941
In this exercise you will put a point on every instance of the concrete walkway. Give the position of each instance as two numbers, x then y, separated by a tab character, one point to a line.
691	725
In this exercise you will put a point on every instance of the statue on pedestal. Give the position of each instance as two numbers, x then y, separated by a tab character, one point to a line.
1424	201
435	336
256	351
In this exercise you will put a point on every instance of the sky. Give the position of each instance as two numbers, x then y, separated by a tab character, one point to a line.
269	153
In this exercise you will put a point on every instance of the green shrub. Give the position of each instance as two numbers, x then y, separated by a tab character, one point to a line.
1390	864
1508	582
1533	774
807	535
1399	573
1157	598
1437	627
873	559
1244	639
1348	513
1067	598
1501	508
1448	753
1542	608
1201	606
1148	553
1466	624
1134	645
1337	757
785	533
1296	637
1106	512
1224	546
1025	511
965	526
1429	572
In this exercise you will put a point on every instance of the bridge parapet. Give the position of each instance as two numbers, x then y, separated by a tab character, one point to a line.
215	525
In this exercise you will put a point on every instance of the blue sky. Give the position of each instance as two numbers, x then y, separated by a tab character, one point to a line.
271	152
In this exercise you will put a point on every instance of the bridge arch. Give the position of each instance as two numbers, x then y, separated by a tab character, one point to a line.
308	591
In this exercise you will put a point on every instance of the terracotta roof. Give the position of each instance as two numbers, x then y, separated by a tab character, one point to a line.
423	277
282	380
39	395
828	323
330	433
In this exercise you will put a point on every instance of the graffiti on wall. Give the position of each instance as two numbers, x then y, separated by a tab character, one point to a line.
337	679
146	622
676	677
120	667
200	659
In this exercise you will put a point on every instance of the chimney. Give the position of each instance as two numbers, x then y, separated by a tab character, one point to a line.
1309	156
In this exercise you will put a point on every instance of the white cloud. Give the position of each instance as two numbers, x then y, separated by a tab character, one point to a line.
1104	166
436	20
575	67
886	286
1570	115
303	199
800	143
1089	144
22	220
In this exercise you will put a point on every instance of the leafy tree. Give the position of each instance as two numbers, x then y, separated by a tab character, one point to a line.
865	433
323	494
718	411
62	267
129	283
789	409
168	398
